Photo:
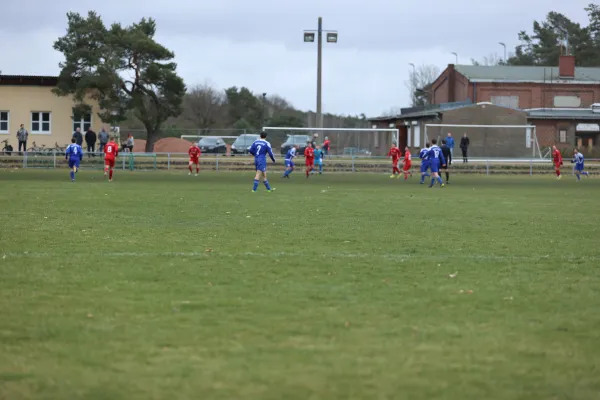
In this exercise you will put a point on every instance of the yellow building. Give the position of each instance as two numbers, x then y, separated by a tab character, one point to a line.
29	100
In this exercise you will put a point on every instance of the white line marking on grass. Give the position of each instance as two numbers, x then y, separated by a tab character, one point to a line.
395	257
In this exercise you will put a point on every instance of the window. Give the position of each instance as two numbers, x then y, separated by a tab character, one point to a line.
40	122
83	122
567	101
417	137
505	101
4	119
409	136
562	136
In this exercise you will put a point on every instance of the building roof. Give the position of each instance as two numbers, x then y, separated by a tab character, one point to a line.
516	74
28	80
425	111
563	113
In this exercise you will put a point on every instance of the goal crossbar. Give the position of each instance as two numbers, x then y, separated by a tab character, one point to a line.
530	127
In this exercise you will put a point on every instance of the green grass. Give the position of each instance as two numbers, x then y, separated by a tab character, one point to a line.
165	286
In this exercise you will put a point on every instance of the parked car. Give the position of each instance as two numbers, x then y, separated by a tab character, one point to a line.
354	151
292	140
212	144
242	143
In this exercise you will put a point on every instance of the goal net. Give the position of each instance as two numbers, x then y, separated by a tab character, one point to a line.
489	141
358	142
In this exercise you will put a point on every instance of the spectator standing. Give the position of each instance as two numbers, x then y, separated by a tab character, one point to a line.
450	143
90	140
130	143
22	136
103	138
78	136
464	146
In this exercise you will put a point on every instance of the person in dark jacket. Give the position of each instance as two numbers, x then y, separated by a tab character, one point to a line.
90	140
464	146
446	151
78	136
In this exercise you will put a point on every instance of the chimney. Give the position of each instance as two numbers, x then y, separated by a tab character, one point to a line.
566	67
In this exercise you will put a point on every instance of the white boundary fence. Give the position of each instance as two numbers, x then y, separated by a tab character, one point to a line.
339	164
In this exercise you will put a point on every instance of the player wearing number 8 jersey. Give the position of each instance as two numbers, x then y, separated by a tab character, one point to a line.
260	149
111	151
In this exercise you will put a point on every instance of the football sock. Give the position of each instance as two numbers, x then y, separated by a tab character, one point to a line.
267	185
256	182
447	176
585	173
557	173
320	167
72	175
190	168
110	174
578	177
197	169
422	178
439	179
432	182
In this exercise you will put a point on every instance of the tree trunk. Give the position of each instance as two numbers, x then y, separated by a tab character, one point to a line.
151	139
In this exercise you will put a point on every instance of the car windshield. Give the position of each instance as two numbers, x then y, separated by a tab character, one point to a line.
246	140
208	141
298	139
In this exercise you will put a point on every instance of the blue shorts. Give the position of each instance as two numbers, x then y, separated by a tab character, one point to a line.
74	163
260	165
318	162
579	167
289	164
424	166
434	166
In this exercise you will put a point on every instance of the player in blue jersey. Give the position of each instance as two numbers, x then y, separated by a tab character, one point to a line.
73	155
289	161
319	158
436	160
579	162
424	156
260	149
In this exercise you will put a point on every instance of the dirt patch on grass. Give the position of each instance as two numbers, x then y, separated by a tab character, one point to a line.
165	145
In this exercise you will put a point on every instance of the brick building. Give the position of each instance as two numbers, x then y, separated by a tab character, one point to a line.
561	102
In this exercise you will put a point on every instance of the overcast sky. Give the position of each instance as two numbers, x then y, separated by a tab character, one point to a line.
259	43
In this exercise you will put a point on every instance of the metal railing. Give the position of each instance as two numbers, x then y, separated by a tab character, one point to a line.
218	162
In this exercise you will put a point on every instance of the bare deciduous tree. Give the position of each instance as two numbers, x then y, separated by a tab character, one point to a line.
489	61
204	105
419	79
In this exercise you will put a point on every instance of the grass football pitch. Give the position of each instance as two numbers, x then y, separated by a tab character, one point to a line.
168	286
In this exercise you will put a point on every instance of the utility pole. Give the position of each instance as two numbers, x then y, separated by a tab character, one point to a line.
309	36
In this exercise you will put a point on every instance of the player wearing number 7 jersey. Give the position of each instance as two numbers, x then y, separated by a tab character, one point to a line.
111	151
259	149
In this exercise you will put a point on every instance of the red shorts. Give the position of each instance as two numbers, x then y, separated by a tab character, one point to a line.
557	165
407	166
110	162
310	162
395	163
195	161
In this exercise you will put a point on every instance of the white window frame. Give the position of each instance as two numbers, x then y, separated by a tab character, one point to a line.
7	131
41	132
561	138
417	134
81	122
409	136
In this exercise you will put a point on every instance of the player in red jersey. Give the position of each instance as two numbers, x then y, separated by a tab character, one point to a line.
407	164
195	154
111	151
395	154
309	158
558	161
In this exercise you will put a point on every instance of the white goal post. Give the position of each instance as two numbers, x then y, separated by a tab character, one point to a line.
364	140
529	141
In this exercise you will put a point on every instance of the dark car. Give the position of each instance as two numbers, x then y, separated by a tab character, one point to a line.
212	144
243	143
292	140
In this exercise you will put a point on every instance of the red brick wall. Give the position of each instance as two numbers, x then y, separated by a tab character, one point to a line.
547	132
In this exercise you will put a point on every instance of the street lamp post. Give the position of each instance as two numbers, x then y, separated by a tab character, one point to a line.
503	45
262	117
414	83
309	36
456	56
